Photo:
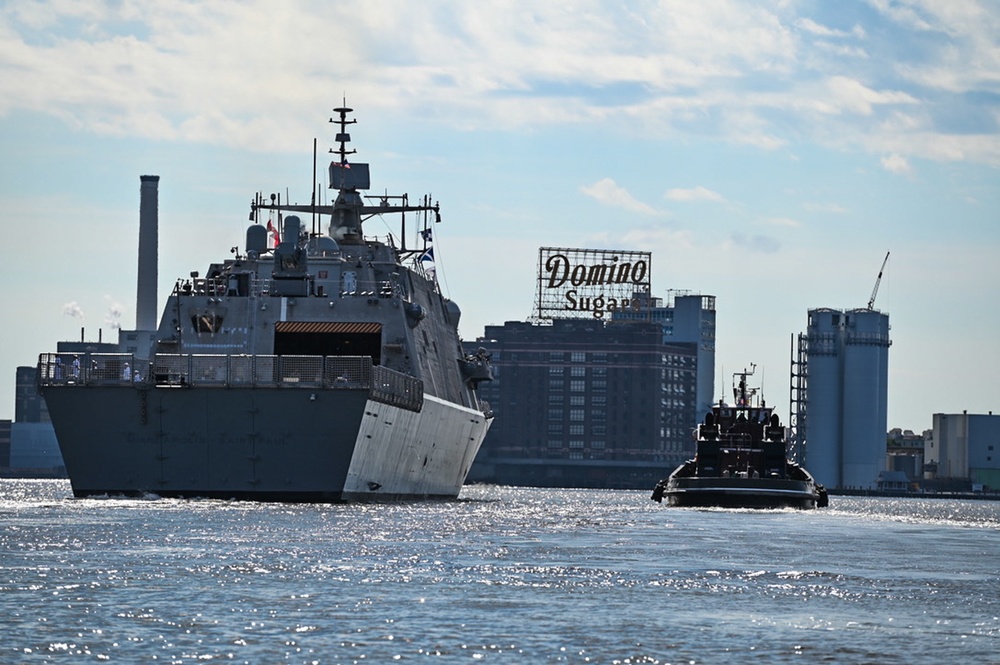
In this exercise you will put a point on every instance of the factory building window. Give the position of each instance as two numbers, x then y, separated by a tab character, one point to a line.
578	357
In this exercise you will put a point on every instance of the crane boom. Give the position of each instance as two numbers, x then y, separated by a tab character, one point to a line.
871	301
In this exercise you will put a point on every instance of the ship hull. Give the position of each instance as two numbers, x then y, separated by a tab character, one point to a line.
267	444
741	493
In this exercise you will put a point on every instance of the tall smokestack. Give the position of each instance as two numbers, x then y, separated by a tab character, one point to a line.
145	304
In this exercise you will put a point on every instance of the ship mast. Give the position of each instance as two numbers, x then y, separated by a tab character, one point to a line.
342	136
350	210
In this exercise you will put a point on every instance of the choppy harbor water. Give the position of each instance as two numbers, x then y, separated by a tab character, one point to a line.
501	575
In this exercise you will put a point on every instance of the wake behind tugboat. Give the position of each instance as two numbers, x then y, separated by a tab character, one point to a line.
741	460
314	366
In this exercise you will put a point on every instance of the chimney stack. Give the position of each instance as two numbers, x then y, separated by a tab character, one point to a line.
145	306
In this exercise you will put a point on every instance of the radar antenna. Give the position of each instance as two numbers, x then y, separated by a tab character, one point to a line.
342	136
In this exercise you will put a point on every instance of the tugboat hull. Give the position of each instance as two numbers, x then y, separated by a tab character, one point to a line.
741	493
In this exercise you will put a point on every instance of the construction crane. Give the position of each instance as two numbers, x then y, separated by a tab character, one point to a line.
871	301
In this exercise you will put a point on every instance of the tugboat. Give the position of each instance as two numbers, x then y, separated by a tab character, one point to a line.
312	366
741	460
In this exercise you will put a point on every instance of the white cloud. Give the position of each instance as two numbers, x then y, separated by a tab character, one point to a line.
651	238
851	95
904	15
815	28
698	193
252	74
608	192
73	310
896	164
844	50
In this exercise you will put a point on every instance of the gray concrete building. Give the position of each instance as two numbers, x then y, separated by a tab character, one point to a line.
965	449
33	448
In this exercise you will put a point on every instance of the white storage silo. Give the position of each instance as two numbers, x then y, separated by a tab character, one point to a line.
865	407
824	397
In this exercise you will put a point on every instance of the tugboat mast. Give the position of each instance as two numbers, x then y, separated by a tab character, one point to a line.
741	393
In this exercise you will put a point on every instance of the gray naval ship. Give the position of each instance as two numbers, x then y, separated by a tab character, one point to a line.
325	368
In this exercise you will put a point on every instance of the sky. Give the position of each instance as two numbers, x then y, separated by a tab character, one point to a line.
767	152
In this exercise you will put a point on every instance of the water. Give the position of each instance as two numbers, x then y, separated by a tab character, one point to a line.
508	575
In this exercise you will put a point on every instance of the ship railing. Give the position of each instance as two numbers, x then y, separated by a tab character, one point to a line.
396	389
82	369
485	407
261	371
201	286
236	285
233	371
341	370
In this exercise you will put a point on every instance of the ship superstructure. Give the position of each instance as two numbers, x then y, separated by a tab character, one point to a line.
314	365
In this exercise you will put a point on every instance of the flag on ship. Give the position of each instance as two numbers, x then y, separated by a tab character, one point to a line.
272	235
427	262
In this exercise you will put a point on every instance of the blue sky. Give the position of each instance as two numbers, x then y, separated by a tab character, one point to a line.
768	153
